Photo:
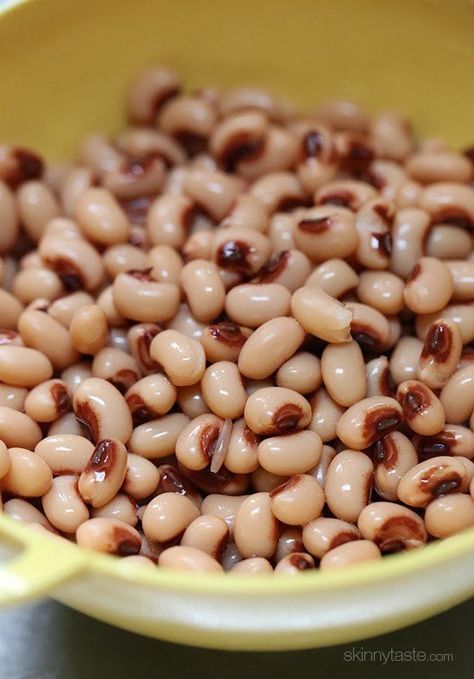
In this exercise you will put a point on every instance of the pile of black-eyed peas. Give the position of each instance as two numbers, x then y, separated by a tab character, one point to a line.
236	337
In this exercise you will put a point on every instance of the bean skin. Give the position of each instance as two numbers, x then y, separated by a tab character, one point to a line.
23	367
167	516
449	515
63	506
252	304
429	286
223	390
254	566
65	453
326	414
394	455
291	454
321	315
157	438
457	396
27	476
440	353
301	372
273	343
182	358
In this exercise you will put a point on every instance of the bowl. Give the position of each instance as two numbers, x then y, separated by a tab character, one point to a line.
64	69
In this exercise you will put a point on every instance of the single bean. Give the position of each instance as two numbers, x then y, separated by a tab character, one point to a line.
348	484
11	309
334	276
185	323
429	286
167	516
453	439
9	218
13	397
223	390
141	477
23	367
191	401
65	453
379	379
369	327
320	470
148	92
368	420
410	228
139	340
166	264
448	515
294	563
64	308
440	353
43	333
290	541
224	341
298	500
457	396
404	359
422	409
432	478
394	455
242	452
140	298
253	304
77	262
37	205
207	533
150	397
269	347
321	315
21	510
48	401
350	553
301	373
462	273
347	193
182	358
108	535
63	505
28	475
291	454
461	314
240	252
326	231
429	167
104	472
75	375
157	438
289	268
446	241
254	566
103	410
224	507
392	136
276	410
203	288
326	414
256	529
31	283
119	507
189	559
392	527
343	372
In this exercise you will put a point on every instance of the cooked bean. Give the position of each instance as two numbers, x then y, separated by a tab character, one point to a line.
334	276
11	309
139	338
117	367
182	358
75	375
99	154
108	535
428	167
289	268
451	440
373	225
278	154
119	507
149	91
207	533
326	414
65	453
326	231
157	438
410	227
368	420
141	477
224	507
392	135
150	397
189	559
196	442
461	314
23	367
301	373
382	290
291	454
379	379
191	401
263	481
340	114
12	397
348	484
429	286
347	193
449	515
48	401
276	410
298	500
392	527
45	334
166	264
320	470
253	566
169	219
104	473
280	231
63	505
32	283
431	479
9	218
404	360
238	136
37	204
189	119
88	329
256	529
185	323
253	304
343	372
462	273
294	563
167	516
449	201
422	409
204	289
67	424
446	241
457	396
223	390
21	510
440	354
394	455
240	252
103	410
323	534
321	315
28	475
273	343
224	341
64	308
140	298
5	460
369	327
77	262
350	553
214	192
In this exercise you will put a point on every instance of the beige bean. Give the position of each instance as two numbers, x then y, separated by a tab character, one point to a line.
429	286
323	534
103	410
185	323
108	535
290	541
214	192
76	180
150	397
461	314
237	137
289	268
23	367
43	333
182	358
166	264
324	232
343	372
334	276
77	262
150	89
429	166
204	289
139	340
373	224
167	516
291	454
457	396
63	505
75	375
340	114
254	566
440	353
326	414
410	228
223	341
422	409
448	515
253	304
453	439
64	308
350	553
280	231
301	372
320	470
240	252
446	241
275	410
12	397
141	477
224	507
9	218
298	500
278	191
99	154
32	283
404	359
104	473
189	119
462	273
62	227
368	420
143	142
18	165
432	478
188	559
67	424
140	298
208	533
382	290
347	193
223	390
392	136
88	329
278	155
37	204
394	456
269	347
449	202
11	309
348	484
21	510
241	456
369	327
197	442
65	453
392	527
379	380
28	475
263	481
119	507
256	529
169	219
48	401
117	367
321	315
191	401
294	563
5	460
122	257
101	218
157	438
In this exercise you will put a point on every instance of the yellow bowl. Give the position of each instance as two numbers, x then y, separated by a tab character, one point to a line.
64	68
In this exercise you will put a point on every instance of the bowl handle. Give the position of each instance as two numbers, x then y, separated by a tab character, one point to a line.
43	563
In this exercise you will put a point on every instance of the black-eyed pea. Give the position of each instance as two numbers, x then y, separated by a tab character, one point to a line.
348	484
196	443
369	327
252	304
457	396
432	478
101	218
123	257
150	397
23	367
76	180
191	401
104	473
428	167
76	262
37	205
369	420
185	323
88	329
166	264
410	228
219	481
321	315
289	268
75	374
394	455
440	353
324	232
18	429
321	469
182	358
326	414
120	507
256	528
279	192
141	477
453	439
185	558
275	411
31	283
448	515
334	276
137	296
256	565
224	507
392	136
63	505
342	114
22	510
379	379
280	231
350	554
292	454
28	475
63	308
347	193
189	119
13	397
323	534
373	223
11	309
139	340
461	314
273	343
18	165
462	273
223	390
59	226
4	459
422	409
48	401
263	481
449	202
103	410
294	563
214	192
110	536
67	424
157	438
392	527
382	290
135	178
203	288
208	533
42	332
99	154
167	516
297	501
343	372
404	360
169	219
429	287
289	541
65	453
447	241
149	91
279	154
239	136
117	367
301	373
240	252
9	218
224	341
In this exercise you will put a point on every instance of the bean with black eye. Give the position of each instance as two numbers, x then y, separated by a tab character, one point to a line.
440	353
422	409
369	420
104	473
392	527
276	410
394	455
432	478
